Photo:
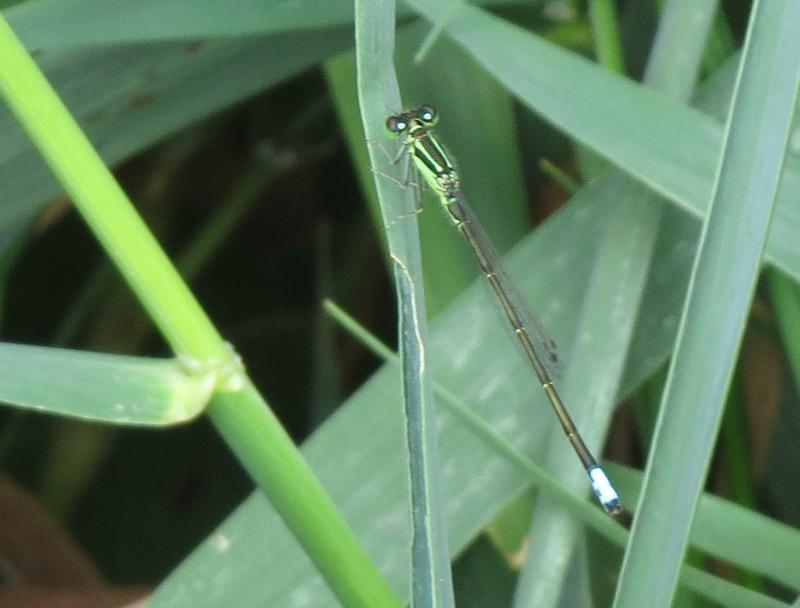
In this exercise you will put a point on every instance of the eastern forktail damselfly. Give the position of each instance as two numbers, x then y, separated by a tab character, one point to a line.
439	172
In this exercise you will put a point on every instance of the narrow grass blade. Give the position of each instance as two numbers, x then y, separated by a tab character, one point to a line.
106	388
761	544
378	95
47	24
715	312
53	24
605	26
612	302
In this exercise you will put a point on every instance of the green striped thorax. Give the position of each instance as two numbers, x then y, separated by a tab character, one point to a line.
430	158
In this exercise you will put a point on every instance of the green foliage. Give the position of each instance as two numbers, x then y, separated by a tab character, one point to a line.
199	101
108	388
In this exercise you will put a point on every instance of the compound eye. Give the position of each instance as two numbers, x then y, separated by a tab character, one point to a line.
396	124
427	114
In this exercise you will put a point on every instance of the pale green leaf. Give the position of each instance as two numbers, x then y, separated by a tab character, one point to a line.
108	388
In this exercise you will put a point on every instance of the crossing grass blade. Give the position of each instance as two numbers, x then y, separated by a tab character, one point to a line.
760	545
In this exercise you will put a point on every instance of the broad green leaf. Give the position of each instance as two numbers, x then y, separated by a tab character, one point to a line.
108	388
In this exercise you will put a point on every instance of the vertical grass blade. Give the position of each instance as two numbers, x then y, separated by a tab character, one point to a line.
605	28
378	95
715	312
612	301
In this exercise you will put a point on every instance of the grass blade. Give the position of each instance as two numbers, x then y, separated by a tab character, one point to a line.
107	388
431	583
761	544
58	24
715	312
612	302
